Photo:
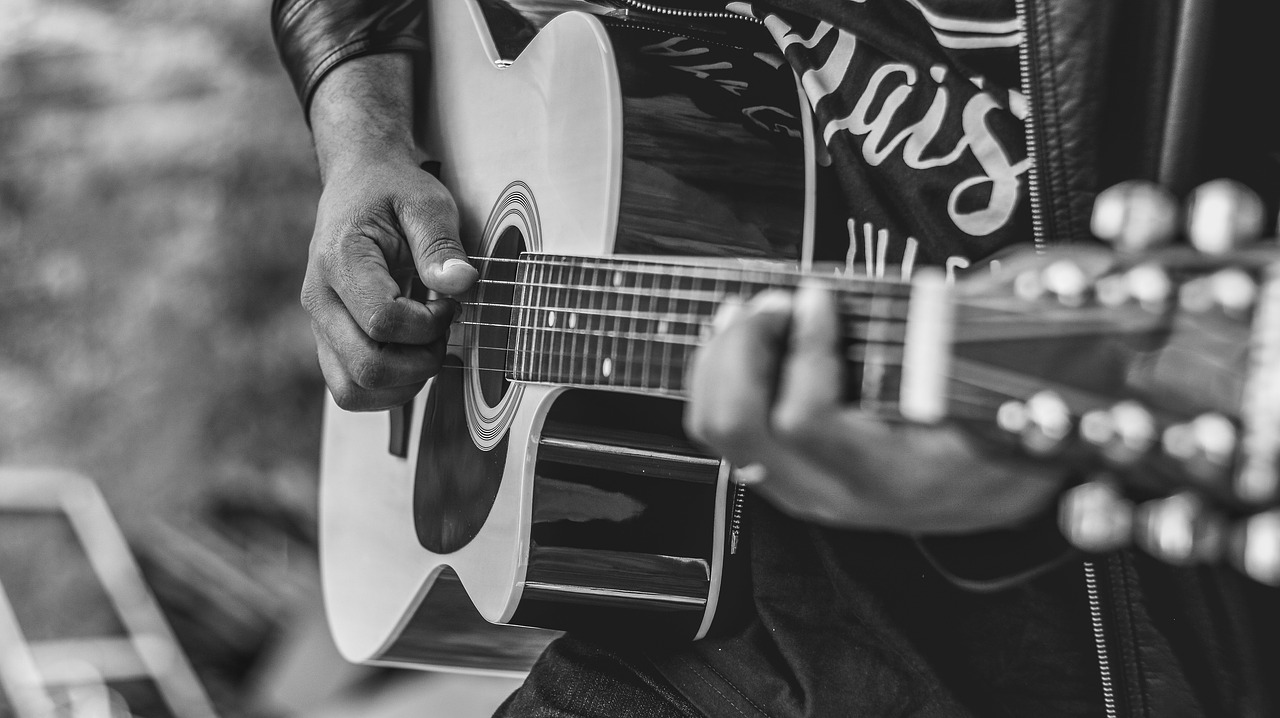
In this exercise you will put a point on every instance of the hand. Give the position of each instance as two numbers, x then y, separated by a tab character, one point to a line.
765	394
380	218
378	223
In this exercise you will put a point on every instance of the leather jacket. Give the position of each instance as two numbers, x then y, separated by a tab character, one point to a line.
1171	641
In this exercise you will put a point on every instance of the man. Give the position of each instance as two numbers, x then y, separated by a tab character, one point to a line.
882	585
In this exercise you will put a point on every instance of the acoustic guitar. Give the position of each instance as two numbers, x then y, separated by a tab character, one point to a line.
615	183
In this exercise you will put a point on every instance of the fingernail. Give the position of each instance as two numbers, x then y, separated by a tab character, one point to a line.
772	301
451	263
809	298
729	309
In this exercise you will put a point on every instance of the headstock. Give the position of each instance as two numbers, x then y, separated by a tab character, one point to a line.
1152	369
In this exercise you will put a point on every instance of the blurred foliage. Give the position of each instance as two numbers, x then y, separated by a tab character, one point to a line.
157	190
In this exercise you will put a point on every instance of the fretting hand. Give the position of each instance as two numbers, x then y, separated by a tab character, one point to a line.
766	394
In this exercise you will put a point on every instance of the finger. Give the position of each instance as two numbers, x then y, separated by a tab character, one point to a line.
370	364
732	379
812	374
358	273
352	397
430	222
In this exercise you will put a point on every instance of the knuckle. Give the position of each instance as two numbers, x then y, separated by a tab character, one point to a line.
791	422
719	430
383	323
346	396
369	372
311	298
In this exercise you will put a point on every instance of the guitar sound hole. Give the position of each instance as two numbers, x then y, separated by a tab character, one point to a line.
494	303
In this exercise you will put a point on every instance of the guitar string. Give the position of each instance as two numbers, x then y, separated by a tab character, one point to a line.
621	313
765	278
538	332
956	401
677	293
691	271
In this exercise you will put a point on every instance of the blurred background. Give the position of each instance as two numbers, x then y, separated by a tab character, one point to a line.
157	190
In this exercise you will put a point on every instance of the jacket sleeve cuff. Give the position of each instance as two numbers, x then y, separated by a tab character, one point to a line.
315	36
997	560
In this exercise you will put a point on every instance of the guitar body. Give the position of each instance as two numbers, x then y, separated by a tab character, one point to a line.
490	501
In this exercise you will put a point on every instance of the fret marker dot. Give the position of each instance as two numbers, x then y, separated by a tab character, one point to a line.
573	320
606	366
551	319
617	279
663	326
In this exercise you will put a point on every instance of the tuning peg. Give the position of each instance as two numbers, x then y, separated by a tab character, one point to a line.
1042	423
1222	215
1150	285
1256	482
1196	295
1029	285
1135	216
1234	290
1067	281
1112	290
1094	516
1205	446
1123	432
1178	529
1255	547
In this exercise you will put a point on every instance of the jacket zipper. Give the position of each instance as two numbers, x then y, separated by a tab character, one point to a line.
1100	638
688	14
1032	128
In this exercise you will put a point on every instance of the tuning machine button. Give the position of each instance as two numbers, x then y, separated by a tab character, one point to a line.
1179	529
1135	216
1150	285
1123	433
1205	446
1028	285
1112	290
1095	517
1223	214
1255	547
1067	281
1042	423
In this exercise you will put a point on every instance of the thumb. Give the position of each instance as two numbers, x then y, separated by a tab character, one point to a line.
430	222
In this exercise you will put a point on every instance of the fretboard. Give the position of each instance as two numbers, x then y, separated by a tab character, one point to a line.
633	324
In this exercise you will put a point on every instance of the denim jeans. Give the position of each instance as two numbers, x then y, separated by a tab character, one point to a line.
843	624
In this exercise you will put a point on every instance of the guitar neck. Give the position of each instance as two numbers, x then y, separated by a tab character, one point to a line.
632	325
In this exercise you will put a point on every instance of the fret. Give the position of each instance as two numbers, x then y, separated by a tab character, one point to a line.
592	321
525	361
562	297
612	298
547	320
647	300
875	358
522	321
672	328
540	320
631	300
578	323
531	319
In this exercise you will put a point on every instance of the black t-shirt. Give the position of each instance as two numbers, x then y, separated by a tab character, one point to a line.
920	114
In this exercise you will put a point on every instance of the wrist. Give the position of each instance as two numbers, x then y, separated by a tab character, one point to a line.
363	112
